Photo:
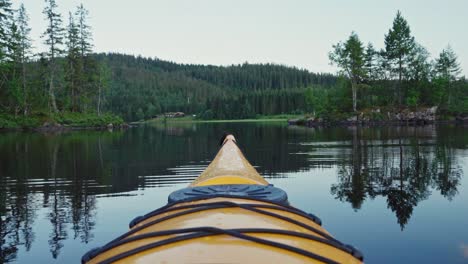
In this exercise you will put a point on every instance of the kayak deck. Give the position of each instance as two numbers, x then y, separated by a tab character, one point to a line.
230	214
229	167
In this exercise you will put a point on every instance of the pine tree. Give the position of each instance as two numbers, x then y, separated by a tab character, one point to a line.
447	65
447	69
13	70
25	52
5	19
53	40
89	71
349	56
74	65
103	85
399	45
84	31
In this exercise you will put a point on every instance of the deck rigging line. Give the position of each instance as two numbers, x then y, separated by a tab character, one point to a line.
242	233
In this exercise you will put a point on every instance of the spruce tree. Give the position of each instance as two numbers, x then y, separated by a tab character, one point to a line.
84	31
447	69
103	85
399	45
12	59
53	39
25	52
89	72
370	61
73	62
5	20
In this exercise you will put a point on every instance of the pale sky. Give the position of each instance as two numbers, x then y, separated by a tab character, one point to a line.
291	32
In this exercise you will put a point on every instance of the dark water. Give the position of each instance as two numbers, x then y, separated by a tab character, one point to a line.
398	194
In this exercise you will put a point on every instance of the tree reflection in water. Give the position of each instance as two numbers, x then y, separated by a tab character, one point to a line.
402	164
60	176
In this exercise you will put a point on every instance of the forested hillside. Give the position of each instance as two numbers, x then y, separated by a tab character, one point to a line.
142	87
69	83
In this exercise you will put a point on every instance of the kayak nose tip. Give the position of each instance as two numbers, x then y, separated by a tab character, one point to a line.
226	137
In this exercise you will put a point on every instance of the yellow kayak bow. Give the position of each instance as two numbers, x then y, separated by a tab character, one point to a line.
229	214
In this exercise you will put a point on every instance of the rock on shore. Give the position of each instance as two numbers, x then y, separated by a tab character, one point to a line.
405	116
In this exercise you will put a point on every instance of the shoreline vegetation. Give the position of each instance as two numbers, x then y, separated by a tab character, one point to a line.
399	117
67	121
69	86
60	122
194	119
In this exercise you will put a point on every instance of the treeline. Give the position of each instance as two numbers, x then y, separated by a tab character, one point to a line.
69	77
65	77
144	87
401	74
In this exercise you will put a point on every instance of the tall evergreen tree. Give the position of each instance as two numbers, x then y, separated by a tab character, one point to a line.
5	19
399	45
371	63
349	56
6	13
84	31
447	65
448	69
103	86
25	52
13	69
74	65
419	66
89	72
53	40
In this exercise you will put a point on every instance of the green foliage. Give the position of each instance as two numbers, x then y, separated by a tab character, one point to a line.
233	92
64	118
7	121
11	121
140	115
399	51
447	65
70	78
351	60
349	57
412	99
86	119
401	75
317	100
399	45
206	115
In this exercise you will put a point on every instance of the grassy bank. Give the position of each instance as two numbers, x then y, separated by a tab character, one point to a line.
259	118
67	119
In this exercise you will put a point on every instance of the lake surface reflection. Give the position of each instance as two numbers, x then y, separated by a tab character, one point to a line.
397	193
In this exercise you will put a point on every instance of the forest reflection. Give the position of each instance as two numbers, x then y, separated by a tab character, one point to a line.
59	172
65	174
402	164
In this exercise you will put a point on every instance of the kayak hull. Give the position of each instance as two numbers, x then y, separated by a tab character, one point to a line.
230	214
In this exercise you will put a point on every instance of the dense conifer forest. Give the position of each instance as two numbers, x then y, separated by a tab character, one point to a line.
68	80
144	87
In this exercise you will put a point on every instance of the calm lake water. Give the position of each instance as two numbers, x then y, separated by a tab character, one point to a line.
400	194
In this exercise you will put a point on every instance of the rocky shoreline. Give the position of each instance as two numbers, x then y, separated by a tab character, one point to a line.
401	117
